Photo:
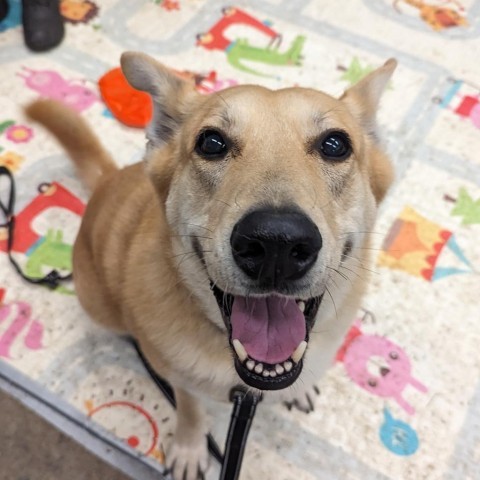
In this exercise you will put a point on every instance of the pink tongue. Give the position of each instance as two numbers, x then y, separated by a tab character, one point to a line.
269	328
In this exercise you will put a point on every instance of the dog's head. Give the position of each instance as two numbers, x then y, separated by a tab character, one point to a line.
268	195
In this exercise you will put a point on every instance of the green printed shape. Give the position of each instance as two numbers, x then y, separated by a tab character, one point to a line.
356	71
5	125
467	207
53	253
241	50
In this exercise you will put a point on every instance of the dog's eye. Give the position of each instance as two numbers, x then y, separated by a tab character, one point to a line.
210	143
335	146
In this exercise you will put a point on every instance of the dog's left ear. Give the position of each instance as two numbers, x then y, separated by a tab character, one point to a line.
363	98
169	93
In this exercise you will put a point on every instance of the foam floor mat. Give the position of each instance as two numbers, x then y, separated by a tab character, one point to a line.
423	302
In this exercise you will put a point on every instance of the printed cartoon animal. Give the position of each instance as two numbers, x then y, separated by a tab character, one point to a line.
436	16
381	367
224	253
238	50
78	11
51	84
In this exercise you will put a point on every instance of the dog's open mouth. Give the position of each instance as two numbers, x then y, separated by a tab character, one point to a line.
269	336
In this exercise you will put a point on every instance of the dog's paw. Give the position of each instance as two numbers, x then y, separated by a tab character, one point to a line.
188	461
305	401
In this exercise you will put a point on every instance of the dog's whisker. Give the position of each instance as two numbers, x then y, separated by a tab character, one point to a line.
180	254
364	232
192	236
181	280
362	267
373	248
350	270
339	273
218	94
334	282
350	256
192	255
186	253
195	225
333	302
320	332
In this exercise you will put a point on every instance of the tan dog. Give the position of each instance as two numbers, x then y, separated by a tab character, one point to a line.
234	253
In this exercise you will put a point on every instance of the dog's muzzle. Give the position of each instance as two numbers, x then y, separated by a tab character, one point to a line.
269	328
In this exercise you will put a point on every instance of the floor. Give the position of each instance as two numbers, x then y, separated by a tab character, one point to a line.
32	449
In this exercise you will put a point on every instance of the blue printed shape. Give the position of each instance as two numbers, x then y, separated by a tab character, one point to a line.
398	437
14	17
107	113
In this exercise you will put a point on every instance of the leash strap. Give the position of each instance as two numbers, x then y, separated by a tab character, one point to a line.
244	407
52	279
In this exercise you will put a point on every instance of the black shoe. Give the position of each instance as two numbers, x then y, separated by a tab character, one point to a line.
42	24
3	9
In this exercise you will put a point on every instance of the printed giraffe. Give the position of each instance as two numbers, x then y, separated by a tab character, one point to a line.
436	16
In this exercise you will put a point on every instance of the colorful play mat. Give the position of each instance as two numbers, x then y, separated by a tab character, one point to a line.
418	417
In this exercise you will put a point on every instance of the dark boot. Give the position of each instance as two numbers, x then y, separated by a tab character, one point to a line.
42	24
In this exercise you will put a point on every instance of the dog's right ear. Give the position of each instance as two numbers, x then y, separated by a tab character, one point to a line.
168	91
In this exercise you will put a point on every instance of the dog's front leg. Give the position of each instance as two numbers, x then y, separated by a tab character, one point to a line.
187	457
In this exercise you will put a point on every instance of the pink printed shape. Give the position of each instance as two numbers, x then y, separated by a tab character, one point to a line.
391	362
21	313
52	85
475	115
46	82
78	97
33	339
17	316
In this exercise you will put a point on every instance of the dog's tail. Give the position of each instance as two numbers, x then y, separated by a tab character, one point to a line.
76	137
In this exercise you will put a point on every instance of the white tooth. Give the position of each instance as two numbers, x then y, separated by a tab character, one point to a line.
266	373
298	353
279	369
288	366
250	364
240	349
301	305
273	373
259	368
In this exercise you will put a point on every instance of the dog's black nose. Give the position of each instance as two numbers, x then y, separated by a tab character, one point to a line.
272	246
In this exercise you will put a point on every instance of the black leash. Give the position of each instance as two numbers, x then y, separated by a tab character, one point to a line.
244	402
52	279
244	407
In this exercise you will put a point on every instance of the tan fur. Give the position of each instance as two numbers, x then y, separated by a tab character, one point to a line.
134	267
76	137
